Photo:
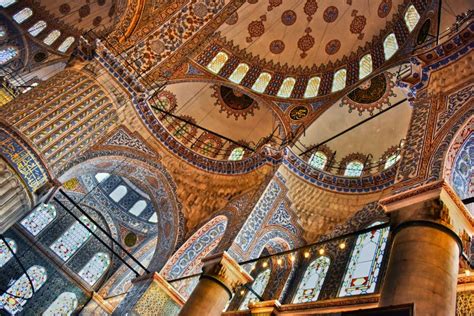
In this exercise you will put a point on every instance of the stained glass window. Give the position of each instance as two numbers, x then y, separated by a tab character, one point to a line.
354	169
411	17
66	44
37	28
312	282
63	305
22	288
3	32
153	218
237	154
239	73
22	15
390	46
118	193
339	80
262	82
52	37
365	66
391	160
73	238
258	285
312	88
286	87
318	160
101	176
138	207
5	253
7	54
218	62
364	266
6	3
39	218
95	268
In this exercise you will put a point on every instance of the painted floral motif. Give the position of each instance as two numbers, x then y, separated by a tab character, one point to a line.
277	47
333	47
330	14
288	17
385	7
358	24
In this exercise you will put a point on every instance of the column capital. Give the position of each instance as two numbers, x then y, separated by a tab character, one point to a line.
226	271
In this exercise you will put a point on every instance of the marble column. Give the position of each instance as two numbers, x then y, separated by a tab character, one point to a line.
221	277
424	259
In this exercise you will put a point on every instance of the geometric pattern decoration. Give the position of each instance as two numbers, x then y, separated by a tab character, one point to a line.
95	268
462	176
364	266
123	139
312	282
39	218
63	305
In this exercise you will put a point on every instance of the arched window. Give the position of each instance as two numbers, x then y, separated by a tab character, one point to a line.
339	80
262	82
101	176
286	87
239	73
354	169
218	62
364	266
39	218
138	208
22	288
66	44
365	66
390	46
118	193
5	253
318	160
258	285
6	3
63	305
411	17
312	282
72	239
312	88
37	28
22	15
237	154
391	160
153	218
7	54
95	268
52	37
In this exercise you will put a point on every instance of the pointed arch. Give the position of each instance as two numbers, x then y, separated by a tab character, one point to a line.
318	160
218	62
390	46
312	281
354	169
339	80
63	305
312	88
262	82
239	73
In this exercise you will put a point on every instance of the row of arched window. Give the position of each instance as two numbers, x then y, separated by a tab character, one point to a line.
390	47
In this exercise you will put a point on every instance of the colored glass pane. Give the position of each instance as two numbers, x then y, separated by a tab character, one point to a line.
63	305
391	160
6	3
390	46
258	285
339	80
364	266
66	44
73	238
39	218
138	207
262	82
22	15
239	73
312	282
318	160
237	154
118	193
354	169
37	28
5	253
312	88
411	17
22	291
153	218
95	268
218	62
7	54
286	87
3	32
102	176
52	37
365	66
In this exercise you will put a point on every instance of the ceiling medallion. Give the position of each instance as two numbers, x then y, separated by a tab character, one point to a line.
288	17
330	14
310	8
299	112
232	19
373	94
277	47
234	102
385	7
306	42
333	47
256	28
358	24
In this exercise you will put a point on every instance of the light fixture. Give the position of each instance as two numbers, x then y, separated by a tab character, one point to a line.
292	257
321	251
265	264
306	254
467	272
279	261
342	245
242	292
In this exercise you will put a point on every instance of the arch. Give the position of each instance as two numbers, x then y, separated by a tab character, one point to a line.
118	193
239	73
262	82
52	37
66	44
312	281
63	305
365	66
101	176
7	54
286	87
237	154
37	28
411	17
22	288
5	253
39	218
95	268
22	15
390	46
138	208
218	62
72	239
353	169
312	87
258	285
339	80
364	266
318	160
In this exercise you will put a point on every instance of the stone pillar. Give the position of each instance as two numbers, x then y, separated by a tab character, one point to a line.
221	277
424	259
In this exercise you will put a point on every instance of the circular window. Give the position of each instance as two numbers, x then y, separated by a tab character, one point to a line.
130	239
